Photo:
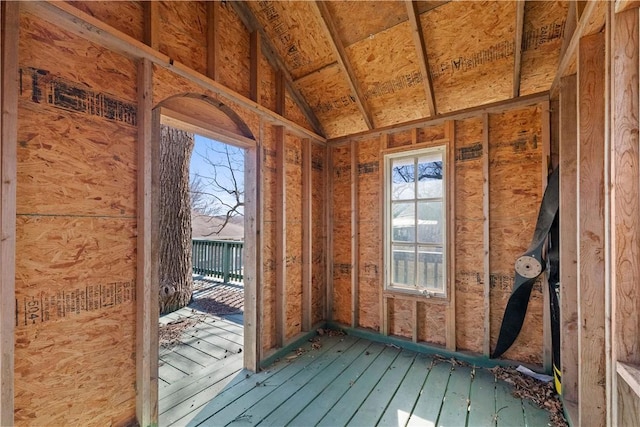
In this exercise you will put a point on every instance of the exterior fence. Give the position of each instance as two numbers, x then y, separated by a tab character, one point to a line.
218	258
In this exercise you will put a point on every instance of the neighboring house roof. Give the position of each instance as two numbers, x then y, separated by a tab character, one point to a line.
205	227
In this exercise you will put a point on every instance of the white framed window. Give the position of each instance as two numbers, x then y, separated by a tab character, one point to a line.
415	221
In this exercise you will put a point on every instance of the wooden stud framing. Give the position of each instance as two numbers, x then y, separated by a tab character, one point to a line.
280	93
625	204
591	21
450	322
355	264
281	238
496	107
568	238
414	321
213	43
343	60
421	51
255	75
622	5
486	278
307	236
569	28
151	11
252	24
328	178
517	48
547	353
252	256
10	22
147	251
77	22
382	300
259	243
592	404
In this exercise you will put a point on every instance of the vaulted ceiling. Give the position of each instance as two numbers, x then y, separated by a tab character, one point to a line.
354	66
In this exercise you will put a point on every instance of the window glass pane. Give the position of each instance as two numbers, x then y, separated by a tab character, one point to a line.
403	259
402	179
431	267
430	222
404	222
430	176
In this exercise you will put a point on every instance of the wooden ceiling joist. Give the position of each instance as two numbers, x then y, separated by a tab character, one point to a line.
252	24
592	19
212	39
343	61
517	48
75	21
421	50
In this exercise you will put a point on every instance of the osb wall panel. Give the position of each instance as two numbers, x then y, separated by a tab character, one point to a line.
541	44
288	25
293	282
293	112
167	84
93	157
470	52
375	16
75	321
369	234
125	16
515	193
183	33
267	84
400	96
469	286
399	139
342	231
400	317
328	94
76	232
233	58
515	176
431	323
268	334
318	245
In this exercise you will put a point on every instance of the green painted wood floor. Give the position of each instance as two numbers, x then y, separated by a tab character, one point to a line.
347	381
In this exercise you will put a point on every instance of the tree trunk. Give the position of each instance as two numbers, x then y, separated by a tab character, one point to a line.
176	281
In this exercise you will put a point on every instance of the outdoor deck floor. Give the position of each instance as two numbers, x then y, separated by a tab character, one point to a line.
346	381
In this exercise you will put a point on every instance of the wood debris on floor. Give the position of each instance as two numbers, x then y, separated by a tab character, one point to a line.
539	392
170	334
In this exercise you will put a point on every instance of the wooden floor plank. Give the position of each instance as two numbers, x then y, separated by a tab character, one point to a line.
323	402
399	409
376	403
534	416
429	403
482	405
190	386
292	406
508	408
183	408
260	409
456	399
209	331
181	362
362	386
257	386
170	373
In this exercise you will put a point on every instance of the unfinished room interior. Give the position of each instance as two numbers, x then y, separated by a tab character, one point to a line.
421	177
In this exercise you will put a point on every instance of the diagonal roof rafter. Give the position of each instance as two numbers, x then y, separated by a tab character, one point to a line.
517	47
337	46
252	24
421	51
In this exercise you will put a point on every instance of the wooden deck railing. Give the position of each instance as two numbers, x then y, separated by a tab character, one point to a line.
218	258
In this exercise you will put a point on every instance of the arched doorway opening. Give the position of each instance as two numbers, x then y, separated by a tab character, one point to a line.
211	119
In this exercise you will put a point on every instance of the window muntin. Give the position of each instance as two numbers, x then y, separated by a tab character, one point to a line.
415	221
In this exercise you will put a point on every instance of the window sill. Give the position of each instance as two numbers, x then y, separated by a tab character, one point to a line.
415	296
